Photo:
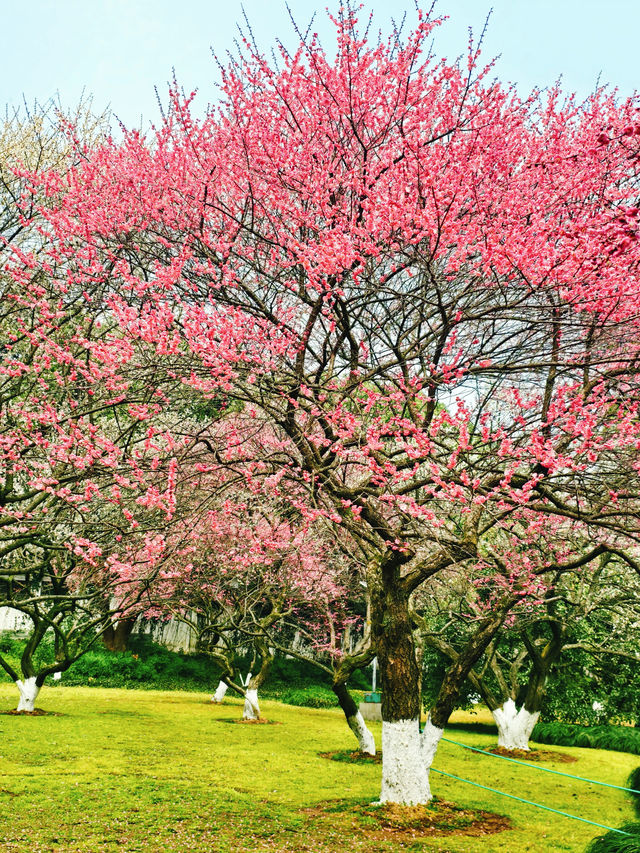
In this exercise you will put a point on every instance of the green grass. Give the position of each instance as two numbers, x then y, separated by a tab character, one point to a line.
167	771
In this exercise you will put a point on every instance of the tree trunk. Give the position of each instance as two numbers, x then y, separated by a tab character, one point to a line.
455	676
355	719
462	665
116	638
221	692
406	755
251	710
29	690
514	725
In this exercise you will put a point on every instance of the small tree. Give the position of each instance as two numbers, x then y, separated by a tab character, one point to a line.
549	644
258	575
63	599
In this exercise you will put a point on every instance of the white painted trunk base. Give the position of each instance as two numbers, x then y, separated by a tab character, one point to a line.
430	739
514	726
407	756
364	736
28	694
251	709
221	692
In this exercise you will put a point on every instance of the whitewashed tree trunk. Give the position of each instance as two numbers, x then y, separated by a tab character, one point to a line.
28	694
221	692
251	709
514	726
406	760
360	730
430	739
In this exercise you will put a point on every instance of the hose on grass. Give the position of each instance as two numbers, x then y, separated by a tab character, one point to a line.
531	803
544	769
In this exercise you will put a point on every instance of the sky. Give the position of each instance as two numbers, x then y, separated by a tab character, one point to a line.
119	50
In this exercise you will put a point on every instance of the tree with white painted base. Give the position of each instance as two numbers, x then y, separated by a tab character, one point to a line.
29	689
70	637
407	754
64	605
263	660
399	273
515	725
509	677
340	666
251	708
355	720
516	712
246	687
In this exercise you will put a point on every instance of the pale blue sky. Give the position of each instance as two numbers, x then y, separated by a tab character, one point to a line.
118	50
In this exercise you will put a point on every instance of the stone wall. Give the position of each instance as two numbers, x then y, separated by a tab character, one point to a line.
14	621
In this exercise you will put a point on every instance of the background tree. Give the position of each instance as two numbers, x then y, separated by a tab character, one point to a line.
547	644
63	597
260	576
87	463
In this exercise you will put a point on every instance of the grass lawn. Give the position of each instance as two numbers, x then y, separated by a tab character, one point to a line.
165	771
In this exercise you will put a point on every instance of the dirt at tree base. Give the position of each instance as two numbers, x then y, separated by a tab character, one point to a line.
352	757
37	712
404	824
532	754
261	721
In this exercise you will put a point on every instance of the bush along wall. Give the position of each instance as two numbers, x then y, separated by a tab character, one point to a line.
620	738
149	666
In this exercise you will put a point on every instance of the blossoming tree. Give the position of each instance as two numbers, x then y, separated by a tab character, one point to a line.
536	643
87	462
258	575
403	272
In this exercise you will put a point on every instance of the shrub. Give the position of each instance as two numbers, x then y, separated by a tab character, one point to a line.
291	671
633	782
614	842
148	665
309	697
154	667
619	738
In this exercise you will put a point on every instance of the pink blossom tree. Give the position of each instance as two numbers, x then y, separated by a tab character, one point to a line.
574	593
87	463
403	274
258	575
